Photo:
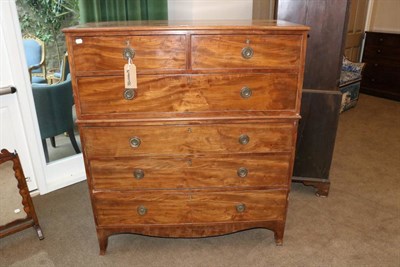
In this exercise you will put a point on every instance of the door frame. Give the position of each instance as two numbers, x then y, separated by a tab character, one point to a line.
54	175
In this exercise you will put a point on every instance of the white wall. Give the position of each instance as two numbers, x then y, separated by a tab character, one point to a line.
209	9
385	16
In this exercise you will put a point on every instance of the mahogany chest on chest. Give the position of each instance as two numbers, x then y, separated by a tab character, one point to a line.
205	144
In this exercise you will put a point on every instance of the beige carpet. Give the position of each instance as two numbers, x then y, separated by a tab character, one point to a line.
63	147
357	225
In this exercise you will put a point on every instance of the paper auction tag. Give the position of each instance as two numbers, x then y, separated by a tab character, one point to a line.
130	76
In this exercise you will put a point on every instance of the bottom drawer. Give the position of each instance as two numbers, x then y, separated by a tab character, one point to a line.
177	207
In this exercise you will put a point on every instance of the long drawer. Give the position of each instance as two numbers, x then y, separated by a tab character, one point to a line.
383	39
155	207
246	51
142	173
127	141
375	76
381	54
190	93
152	53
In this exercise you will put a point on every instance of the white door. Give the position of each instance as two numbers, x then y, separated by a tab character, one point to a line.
12	133
18	121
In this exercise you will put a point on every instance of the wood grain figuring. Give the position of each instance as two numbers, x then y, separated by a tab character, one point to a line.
175	140
190	172
189	176
189	93
191	230
151	53
176	207
270	51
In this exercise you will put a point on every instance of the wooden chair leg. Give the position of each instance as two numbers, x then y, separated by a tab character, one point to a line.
53	141
73	140
46	152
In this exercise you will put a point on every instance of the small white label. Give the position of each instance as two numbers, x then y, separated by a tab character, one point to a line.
78	41
17	211
130	76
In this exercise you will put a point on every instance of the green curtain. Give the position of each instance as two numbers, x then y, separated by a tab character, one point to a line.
121	10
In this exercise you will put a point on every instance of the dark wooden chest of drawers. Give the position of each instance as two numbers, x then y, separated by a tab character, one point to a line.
205	144
382	57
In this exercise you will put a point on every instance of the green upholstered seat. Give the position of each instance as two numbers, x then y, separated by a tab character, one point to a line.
54	111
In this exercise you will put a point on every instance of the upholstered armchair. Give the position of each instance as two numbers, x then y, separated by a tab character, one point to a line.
35	58
54	111
59	75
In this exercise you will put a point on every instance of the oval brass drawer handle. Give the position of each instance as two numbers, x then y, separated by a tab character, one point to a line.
240	208
141	210
247	52
135	142
246	92
244	139
242	172
138	174
129	94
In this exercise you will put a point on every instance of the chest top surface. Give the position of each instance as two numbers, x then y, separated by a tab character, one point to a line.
186	25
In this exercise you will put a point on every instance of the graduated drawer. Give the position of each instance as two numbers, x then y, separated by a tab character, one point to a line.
246	51
172	207
187	139
191	172
105	53
190	93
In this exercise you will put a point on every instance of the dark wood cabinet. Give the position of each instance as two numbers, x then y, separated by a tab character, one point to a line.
321	98
381	76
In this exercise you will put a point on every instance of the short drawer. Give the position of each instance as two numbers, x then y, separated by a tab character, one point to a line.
191	172
191	93
152	53
383	39
187	139
160	207
246	51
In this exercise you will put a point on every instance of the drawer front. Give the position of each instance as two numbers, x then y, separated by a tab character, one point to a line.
382	40
382	77
381	54
105	54
190	172
158	207
187	139
257	92
260	51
